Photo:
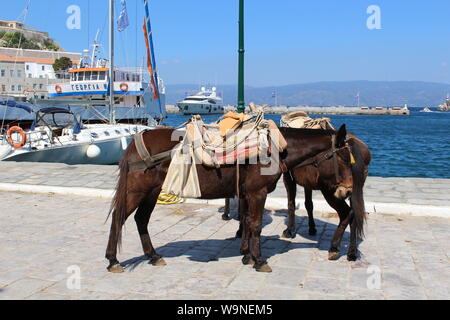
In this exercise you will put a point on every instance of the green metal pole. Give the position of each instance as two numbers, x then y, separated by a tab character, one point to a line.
241	98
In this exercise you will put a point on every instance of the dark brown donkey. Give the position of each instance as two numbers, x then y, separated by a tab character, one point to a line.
321	175
139	189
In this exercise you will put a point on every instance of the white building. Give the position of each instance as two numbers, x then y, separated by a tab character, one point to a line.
25	71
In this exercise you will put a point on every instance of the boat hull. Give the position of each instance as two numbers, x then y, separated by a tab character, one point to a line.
111	152
196	108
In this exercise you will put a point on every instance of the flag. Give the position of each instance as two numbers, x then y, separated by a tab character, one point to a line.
122	21
149	63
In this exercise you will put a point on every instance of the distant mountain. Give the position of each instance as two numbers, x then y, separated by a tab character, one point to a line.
372	93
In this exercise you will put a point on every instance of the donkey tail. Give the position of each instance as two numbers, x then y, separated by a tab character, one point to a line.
119	202
357	199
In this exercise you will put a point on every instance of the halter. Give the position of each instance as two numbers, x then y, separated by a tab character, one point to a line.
328	154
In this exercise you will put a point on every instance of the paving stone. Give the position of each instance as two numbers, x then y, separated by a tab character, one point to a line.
42	235
23	288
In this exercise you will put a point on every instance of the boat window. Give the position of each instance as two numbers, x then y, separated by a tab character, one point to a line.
117	131
128	77
127	130
87	76
107	133
102	75
195	99
94	75
80	76
94	135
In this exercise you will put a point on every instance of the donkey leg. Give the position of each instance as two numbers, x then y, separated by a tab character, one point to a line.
310	208
142	218
343	211
352	252
256	204
226	210
291	189
133	200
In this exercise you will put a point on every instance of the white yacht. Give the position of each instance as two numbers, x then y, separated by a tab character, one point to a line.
204	102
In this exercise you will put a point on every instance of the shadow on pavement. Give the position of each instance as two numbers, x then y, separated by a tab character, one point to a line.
216	249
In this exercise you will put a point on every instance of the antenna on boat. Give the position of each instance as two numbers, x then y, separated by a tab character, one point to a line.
112	118
95	47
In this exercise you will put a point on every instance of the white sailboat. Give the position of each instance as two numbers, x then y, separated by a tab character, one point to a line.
59	135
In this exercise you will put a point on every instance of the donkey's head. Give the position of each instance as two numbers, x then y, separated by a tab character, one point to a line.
335	167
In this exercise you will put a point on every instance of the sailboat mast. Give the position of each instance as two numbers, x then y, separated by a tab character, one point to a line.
112	118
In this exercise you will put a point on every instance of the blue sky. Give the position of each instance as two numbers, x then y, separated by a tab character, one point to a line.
287	41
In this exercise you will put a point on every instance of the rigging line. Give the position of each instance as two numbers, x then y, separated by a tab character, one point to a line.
136	31
89	24
24	14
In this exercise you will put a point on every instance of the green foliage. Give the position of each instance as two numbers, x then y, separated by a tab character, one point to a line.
13	39
49	45
62	64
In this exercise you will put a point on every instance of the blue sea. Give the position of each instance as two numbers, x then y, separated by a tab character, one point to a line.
402	146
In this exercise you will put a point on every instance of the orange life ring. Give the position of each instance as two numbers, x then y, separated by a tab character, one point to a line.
58	88
23	137
124	87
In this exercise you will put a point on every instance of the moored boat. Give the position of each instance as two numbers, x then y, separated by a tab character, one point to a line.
204	102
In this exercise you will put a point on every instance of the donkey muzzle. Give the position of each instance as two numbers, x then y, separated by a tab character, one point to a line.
343	192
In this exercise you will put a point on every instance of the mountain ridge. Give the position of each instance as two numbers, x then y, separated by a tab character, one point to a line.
327	93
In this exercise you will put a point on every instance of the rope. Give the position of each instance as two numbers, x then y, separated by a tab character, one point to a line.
168	199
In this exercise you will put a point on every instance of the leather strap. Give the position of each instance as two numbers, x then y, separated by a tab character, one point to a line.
142	149
148	161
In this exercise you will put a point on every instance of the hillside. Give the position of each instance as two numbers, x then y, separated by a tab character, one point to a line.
19	39
372	93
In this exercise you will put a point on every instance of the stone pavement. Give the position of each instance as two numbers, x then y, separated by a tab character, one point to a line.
51	244
413	196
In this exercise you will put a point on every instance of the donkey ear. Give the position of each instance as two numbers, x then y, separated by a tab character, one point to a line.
341	136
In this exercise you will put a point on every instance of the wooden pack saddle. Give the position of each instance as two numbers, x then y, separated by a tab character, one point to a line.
236	137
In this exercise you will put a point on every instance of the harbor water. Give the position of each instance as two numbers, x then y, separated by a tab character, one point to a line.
402	146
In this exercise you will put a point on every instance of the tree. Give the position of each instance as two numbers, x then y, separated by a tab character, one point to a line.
62	64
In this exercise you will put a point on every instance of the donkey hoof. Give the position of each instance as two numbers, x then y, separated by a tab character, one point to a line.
117	268
312	231
351	257
288	234
246	260
226	217
158	262
333	255
263	268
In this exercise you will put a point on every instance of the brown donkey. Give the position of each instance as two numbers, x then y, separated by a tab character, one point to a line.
335	187
139	189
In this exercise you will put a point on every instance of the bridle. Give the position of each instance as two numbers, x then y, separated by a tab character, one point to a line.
328	154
